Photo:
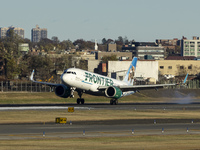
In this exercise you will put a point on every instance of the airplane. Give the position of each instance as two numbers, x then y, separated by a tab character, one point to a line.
82	81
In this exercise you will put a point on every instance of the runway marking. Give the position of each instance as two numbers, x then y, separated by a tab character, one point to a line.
43	108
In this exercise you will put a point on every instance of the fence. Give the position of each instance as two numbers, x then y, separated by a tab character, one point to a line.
27	86
23	86
190	84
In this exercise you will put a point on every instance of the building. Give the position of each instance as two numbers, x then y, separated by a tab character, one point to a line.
119	55
4	32
190	47
180	58
156	52
112	47
178	67
19	32
23	48
37	34
172	46
164	42
144	70
144	49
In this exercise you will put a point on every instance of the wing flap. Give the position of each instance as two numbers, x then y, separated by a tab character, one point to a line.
138	87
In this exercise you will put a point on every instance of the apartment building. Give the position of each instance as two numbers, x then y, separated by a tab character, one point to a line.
144	49
4	31
190	47
38	33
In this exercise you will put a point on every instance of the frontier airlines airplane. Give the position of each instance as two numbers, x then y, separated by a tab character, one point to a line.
74	79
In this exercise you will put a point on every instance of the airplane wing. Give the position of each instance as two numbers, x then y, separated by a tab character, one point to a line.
138	87
125	88
47	83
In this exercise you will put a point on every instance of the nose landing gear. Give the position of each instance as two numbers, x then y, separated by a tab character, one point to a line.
72	92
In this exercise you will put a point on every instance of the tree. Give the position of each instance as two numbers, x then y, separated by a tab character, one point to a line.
125	40
109	41
45	44
105	59
120	39
63	62
55	40
67	44
83	65
10	53
84	44
104	41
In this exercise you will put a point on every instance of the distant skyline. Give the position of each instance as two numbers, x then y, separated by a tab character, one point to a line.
144	20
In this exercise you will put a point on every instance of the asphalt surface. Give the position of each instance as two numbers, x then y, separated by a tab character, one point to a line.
107	128
101	106
35	131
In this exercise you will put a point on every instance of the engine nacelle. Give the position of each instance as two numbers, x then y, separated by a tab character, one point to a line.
113	92
63	91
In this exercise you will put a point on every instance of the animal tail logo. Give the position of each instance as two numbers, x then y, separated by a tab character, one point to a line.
131	72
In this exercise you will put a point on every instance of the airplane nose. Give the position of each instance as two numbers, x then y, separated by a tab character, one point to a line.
64	77
61	77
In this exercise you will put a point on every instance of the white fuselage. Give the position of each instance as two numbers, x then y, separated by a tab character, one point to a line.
88	81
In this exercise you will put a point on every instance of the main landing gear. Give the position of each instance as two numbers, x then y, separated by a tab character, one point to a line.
113	101
80	100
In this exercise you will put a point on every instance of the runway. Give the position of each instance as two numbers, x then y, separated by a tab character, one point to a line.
101	106
105	128
34	131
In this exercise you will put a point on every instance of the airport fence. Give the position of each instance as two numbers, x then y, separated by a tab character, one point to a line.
190	84
27	86
23	86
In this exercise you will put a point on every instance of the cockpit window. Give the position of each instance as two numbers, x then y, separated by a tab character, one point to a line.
70	72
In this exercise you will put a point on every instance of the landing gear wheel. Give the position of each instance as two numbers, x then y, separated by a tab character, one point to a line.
116	102
82	101
113	102
78	101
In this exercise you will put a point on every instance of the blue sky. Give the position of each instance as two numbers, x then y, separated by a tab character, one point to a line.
141	20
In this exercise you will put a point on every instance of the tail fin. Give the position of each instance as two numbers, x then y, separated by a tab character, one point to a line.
185	79
32	74
131	71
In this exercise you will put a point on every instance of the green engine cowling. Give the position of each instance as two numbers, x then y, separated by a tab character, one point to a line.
113	92
62	91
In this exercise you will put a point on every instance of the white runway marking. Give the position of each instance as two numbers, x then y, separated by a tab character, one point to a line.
43	108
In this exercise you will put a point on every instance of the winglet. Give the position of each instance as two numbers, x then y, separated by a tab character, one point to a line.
185	79
31	77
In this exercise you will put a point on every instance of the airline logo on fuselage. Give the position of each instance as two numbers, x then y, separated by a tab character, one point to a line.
98	79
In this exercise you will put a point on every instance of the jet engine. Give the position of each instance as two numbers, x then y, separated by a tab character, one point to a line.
63	91
113	92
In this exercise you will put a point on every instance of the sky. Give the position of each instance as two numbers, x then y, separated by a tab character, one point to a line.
141	20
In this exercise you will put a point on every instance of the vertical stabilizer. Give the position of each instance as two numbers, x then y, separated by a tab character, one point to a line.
185	79
131	71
